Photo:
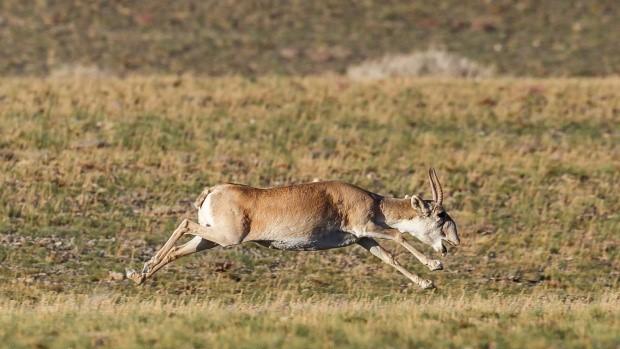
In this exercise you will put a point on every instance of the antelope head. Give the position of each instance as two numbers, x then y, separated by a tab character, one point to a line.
432	225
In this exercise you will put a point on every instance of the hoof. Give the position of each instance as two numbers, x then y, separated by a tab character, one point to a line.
427	285
136	277
147	266
435	265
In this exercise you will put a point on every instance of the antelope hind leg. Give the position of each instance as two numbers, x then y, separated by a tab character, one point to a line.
196	244
181	230
164	255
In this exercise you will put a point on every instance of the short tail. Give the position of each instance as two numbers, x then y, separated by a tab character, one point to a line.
201	198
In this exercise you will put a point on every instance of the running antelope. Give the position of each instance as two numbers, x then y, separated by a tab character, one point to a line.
312	216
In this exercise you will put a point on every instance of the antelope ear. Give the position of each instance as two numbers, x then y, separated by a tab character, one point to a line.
418	204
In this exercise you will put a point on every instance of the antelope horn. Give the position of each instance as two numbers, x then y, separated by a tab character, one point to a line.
438	187
432	182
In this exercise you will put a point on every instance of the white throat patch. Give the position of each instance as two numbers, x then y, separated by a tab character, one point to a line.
417	227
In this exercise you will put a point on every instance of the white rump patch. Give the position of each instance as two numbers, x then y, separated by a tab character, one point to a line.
205	213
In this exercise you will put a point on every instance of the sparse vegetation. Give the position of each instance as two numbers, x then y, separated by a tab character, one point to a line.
95	174
425	321
224	37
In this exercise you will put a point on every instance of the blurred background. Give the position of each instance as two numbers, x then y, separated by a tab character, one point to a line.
227	37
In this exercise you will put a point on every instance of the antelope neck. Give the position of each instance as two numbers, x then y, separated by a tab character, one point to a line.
396	210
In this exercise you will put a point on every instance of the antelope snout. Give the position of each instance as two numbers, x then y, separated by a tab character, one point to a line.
451	234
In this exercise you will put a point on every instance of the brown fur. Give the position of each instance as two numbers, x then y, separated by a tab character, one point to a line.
304	206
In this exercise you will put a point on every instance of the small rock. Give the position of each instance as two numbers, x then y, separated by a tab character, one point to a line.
115	276
44	241
221	267
485	229
289	53
516	277
97	143
340	52
319	54
7	155
487	24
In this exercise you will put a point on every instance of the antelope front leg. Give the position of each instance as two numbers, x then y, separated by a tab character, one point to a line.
373	247
395	235
432	264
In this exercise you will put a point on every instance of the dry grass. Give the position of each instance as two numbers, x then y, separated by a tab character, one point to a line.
95	174
429	321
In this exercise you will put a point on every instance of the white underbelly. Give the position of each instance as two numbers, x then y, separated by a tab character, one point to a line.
314	242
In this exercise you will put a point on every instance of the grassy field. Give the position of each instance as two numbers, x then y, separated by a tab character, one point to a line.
522	38
427	322
95	174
